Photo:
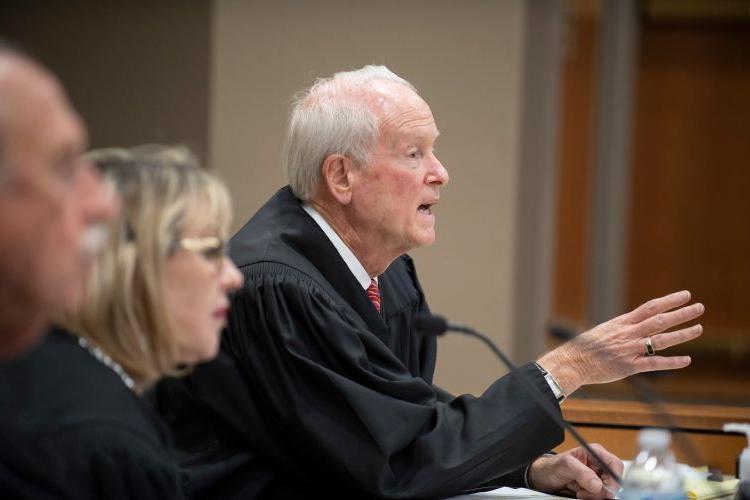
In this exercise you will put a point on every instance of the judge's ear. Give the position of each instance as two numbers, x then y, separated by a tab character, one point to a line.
336	175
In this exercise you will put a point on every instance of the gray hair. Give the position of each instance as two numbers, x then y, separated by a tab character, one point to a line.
332	117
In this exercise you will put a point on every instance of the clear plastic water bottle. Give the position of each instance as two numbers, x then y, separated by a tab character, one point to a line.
654	474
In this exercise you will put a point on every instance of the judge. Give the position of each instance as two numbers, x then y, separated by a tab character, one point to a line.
154	304
52	205
331	388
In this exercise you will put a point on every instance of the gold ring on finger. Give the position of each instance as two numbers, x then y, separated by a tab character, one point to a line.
650	351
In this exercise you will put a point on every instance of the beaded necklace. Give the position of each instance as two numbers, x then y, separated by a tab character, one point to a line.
104	359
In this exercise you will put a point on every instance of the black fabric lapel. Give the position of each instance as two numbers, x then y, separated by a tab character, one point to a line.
303	233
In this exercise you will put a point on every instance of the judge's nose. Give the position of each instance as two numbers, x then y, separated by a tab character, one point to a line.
231	277
437	173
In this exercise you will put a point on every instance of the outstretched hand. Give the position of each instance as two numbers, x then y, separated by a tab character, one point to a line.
617	348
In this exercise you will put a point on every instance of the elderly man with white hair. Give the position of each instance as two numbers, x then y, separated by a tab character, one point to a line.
330	390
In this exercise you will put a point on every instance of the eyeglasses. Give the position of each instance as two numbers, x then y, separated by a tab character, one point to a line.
212	248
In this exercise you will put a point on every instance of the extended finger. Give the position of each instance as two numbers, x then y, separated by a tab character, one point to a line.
669	339
657	363
612	461
581	474
666	320
656	306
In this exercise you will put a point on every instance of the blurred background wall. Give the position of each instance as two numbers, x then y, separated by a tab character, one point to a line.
516	89
685	206
137	71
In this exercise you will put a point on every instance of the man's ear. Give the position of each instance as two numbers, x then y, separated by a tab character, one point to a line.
336	174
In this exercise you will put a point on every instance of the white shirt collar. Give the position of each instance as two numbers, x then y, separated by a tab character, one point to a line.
354	265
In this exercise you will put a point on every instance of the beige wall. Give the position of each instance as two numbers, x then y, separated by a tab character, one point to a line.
465	57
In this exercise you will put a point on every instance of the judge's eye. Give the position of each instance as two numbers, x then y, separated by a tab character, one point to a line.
415	154
66	169
214	253
211	248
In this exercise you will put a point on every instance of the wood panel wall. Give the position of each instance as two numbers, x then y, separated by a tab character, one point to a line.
689	219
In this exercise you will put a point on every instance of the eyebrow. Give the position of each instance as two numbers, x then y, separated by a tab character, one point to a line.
71	149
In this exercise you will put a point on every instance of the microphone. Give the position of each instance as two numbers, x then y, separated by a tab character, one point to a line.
437	325
431	324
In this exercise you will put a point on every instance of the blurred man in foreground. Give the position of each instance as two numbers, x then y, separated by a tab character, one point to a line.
51	206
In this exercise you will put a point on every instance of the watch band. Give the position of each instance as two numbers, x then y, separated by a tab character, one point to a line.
554	385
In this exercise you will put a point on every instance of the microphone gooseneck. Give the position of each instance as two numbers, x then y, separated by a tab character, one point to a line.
437	325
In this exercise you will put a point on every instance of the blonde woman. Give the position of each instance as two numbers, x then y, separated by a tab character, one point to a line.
156	301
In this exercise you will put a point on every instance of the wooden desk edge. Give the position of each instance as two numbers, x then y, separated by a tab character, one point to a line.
634	414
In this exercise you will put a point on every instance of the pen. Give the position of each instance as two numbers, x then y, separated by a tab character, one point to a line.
611	490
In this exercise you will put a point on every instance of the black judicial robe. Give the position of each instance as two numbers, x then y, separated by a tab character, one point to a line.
85	426
27	471
324	395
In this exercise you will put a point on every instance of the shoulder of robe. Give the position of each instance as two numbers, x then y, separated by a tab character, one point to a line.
307	281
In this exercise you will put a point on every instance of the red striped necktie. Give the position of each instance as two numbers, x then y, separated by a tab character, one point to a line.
373	293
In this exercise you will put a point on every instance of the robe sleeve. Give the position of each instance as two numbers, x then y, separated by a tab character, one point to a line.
327	399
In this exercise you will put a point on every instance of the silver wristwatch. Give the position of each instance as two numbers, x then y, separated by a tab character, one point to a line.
553	384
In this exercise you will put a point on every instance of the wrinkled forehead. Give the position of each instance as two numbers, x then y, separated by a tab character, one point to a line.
386	97
401	112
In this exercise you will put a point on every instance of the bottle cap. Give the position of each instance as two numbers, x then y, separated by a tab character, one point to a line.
654	439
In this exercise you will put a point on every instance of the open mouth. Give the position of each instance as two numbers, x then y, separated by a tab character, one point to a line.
425	208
